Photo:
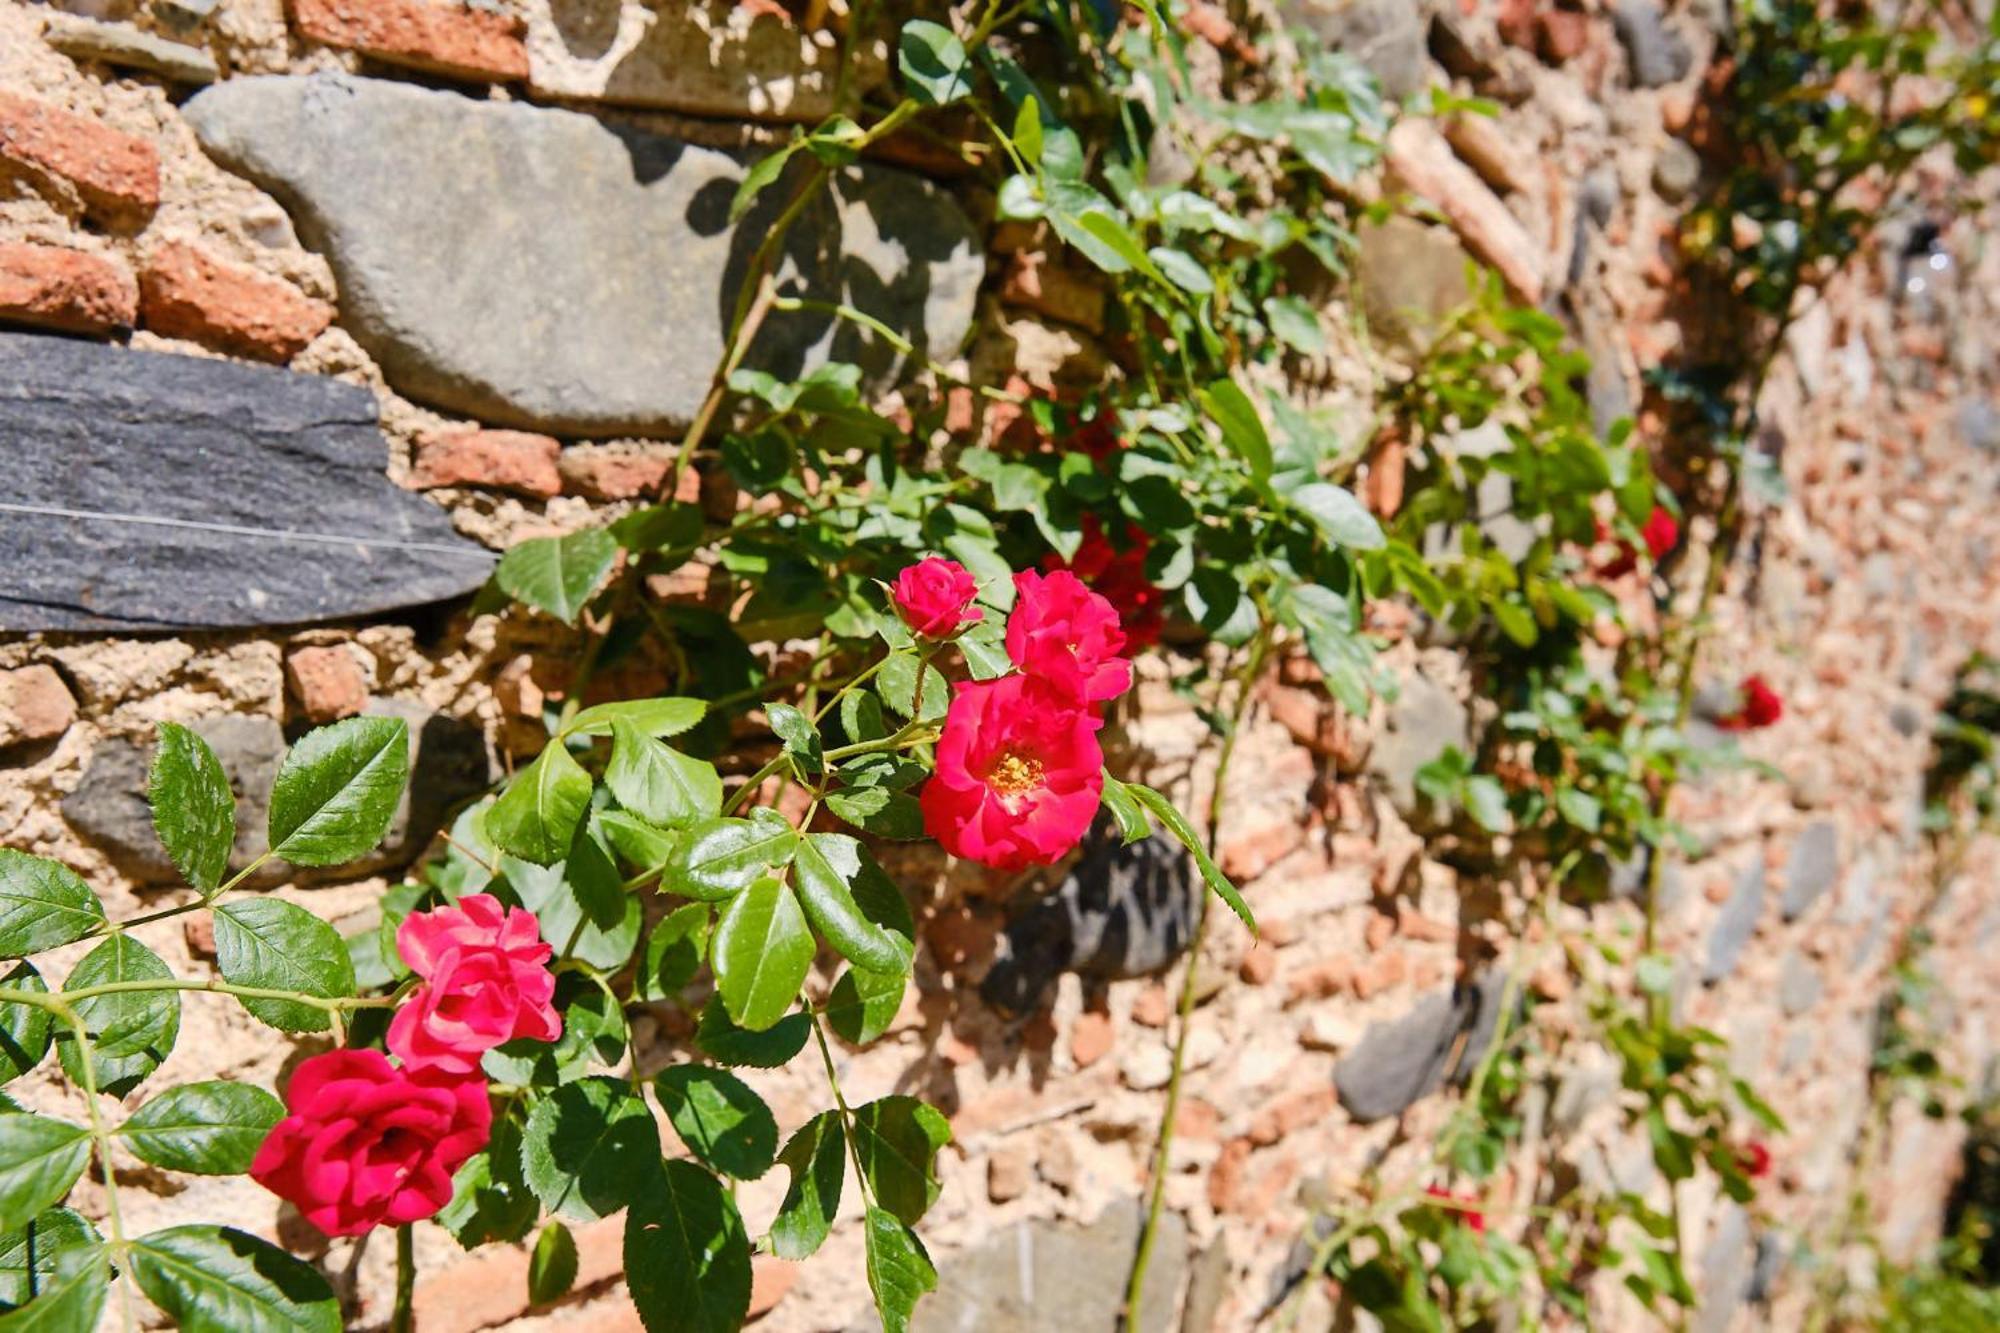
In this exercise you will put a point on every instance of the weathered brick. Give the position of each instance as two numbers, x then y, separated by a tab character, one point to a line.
35	705
1035	282
186	292
504	460
1091	1039
116	174
489	1288
1152	1006
54	287
617	472
327	681
1259	965
1008	1174
443	38
1561	35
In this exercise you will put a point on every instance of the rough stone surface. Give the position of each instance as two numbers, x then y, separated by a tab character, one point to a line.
128	47
1411	277
262	501
504	460
35	705
1425	718
1411	1057
1122	911
1657	54
186	292
1385	35
707	60
1736	924
594	243
1034	1277
1798	984
1726	1266
1813	868
440	36
115	174
54	287
1677	171
619	472
1423	162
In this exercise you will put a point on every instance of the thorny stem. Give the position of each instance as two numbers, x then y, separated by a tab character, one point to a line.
1156	1201
60	1003
404	1319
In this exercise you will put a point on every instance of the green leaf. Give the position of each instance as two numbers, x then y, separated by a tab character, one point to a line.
879	810
584	910
590	1148
659	784
639	842
898	683
800	736
40	1158
25	1031
896	1142
1182	269
861	717
934	64
69	1297
728	1044
536	817
336	793
1344	519
825	868
1027	134
1176	824
1242	430
208	1129
720	1120
687	1257
1516	622
658	718
552	1266
131	1032
673	953
984	647
663	527
1579	808
558	574
194	812
864	1003
721	856
1133	823
762	953
28	1254
276	945
42	904
211	1279
762	173
899	1269
490	1201
817	1158
1486	801
1295	323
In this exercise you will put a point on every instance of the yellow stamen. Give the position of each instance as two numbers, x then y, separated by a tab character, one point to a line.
1014	774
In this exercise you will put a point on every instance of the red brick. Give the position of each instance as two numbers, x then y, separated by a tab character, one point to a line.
199	932
1008	1174
54	287
1090	1040
186	292
1322	980
1260	964
770	1279
1225	1178
1412	924
35	705
503	460
1152	1006
489	1288
443	38
327	681
1561	35
1035	282
117	174
600	472
1380	973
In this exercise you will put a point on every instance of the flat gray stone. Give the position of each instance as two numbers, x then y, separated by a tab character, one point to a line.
151	491
1039	1277
1676	171
562	274
128	47
1408	1058
1799	985
449	764
1122	911
1735	925
1387	36
1813	868
1411	277
1727	1266
1656	53
1425	719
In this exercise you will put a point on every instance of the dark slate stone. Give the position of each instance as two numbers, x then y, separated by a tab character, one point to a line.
1813	867
1736	924
149	491
1772	1254
1124	910
1410	1057
449	764
1658	55
560	273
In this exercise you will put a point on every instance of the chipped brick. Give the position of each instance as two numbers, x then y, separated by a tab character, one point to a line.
502	460
327	681
186	292
54	287
35	705
116	174
442	38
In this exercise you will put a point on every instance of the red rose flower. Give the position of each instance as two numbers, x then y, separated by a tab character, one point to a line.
1018	776
1470	1217
1760	706
367	1143
1068	636
934	597
486	981
1660	533
1120	578
1097	438
1754	1160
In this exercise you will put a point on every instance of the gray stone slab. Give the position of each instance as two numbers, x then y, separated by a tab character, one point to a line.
1814	867
1387	36
1441	1037
1658	55
1736	924
1799	984
128	47
150	491
560	273
1425	719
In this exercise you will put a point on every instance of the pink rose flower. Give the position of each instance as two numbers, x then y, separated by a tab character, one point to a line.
1019	774
486	981
934	597
368	1144
1068	636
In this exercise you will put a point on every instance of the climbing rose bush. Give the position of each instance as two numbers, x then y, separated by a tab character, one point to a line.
935	598
486	981
1758	706
1067	637
1019	773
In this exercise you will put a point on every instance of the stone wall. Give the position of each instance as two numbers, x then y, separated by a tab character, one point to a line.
505	223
